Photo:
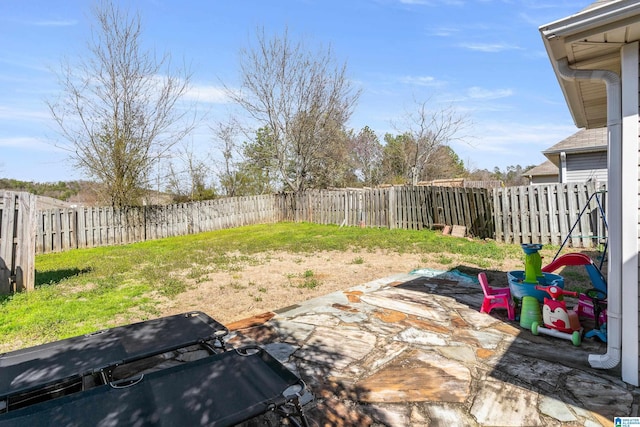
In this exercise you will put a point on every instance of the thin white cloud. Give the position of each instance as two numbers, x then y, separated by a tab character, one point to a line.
507	137
196	92
53	23
418	2
421	81
208	93
482	93
531	20
29	143
444	31
500	144
432	2
44	22
14	114
488	47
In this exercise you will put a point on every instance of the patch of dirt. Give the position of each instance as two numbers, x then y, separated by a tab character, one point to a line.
280	279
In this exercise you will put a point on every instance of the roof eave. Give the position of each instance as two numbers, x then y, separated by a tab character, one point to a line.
559	36
598	17
593	149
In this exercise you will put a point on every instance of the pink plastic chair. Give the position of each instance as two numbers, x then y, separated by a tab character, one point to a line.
496	298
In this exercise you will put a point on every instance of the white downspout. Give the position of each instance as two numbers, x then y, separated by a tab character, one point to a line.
614	272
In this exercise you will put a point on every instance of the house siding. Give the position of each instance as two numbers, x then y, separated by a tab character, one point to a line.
630	216
582	167
544	179
638	237
638	218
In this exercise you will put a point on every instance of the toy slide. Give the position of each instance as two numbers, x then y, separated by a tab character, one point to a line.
597	279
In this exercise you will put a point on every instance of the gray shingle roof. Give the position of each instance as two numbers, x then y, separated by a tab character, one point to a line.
597	4
585	140
545	169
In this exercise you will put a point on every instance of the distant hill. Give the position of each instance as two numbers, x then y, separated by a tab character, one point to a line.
81	193
68	191
57	190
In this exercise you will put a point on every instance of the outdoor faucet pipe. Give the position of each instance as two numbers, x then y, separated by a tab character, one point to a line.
614	295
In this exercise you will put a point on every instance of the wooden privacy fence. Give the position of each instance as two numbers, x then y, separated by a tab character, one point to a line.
68	228
551	214
531	214
412	208
17	238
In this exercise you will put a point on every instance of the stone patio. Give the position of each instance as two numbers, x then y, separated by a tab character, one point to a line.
414	350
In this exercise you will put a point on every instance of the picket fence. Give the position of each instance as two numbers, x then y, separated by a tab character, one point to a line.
572	214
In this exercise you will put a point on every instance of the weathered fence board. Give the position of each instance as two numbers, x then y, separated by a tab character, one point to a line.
530	214
61	229
17	241
550	214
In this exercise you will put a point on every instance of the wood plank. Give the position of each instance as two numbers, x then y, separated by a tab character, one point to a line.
563	214
525	214
25	243
537	214
6	242
543	214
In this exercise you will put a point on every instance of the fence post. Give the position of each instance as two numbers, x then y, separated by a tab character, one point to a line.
25	265
6	243
17	241
392	207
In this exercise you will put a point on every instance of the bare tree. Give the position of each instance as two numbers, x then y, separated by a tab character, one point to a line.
366	152
187	177
428	131
302	97
118	108
225	133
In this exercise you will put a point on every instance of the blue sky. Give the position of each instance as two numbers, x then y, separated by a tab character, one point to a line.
483	57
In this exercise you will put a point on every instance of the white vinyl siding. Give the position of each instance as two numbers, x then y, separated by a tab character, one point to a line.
630	73
583	167
638	239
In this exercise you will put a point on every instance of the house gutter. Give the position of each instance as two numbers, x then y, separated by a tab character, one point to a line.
592	18
613	85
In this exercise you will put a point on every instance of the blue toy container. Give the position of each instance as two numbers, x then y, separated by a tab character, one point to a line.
520	289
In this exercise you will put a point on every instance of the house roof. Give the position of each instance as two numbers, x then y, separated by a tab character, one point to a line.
597	4
584	141
591	39
544	169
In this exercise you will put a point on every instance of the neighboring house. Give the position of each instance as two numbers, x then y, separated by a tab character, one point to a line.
545	173
596	55
582	157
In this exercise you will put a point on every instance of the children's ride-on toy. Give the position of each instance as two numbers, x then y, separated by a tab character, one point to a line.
597	310
558	321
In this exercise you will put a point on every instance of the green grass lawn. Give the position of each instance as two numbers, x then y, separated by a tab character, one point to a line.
84	290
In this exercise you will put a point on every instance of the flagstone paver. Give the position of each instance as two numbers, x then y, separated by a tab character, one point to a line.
556	409
498	403
415	350
418	377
